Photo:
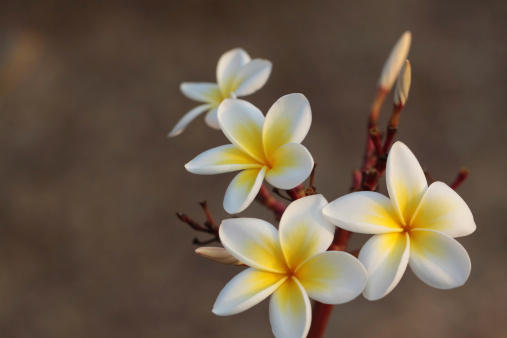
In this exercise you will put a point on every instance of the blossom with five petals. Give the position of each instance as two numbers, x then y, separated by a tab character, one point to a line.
291	264
261	147
237	75
416	227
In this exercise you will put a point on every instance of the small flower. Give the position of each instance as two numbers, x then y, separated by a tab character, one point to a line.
261	147
237	75
291	264
415	227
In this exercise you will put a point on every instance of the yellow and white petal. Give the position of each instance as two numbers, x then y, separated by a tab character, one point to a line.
242	124
245	290
228	67
290	166
332	277
438	259
251	77
201	91
220	160
405	180
364	212
287	121
443	210
212	118
243	189
187	118
304	232
254	242
385	258
290	310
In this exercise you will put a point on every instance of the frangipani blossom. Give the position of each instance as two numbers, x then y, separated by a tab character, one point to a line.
237	75
291	264
261	147
415	227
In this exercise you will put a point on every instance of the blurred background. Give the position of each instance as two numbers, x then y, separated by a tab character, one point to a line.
89	183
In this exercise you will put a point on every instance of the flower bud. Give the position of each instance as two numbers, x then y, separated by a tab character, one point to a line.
218	255
403	85
395	62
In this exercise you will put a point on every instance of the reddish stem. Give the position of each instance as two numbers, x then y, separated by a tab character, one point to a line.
265	198
462	176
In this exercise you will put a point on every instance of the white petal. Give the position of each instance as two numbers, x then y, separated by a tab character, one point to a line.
290	310
251	77
385	258
287	121
332	277
228	67
290	165
242	124
212	118
245	290
365	212
201	91
187	118
220	160
254	242
243	189
438	259
443	210
405	180
304	231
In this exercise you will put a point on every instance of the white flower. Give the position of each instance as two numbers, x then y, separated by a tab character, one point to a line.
261	147
237	75
415	227
291	264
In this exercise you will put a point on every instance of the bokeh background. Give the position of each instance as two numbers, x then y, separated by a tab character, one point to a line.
89	183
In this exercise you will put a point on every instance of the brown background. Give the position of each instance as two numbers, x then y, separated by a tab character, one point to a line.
89	183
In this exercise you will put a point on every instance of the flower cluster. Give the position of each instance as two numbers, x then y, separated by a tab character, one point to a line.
304	258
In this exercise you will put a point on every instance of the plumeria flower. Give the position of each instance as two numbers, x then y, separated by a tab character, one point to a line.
291	264
261	147
415	227
237	75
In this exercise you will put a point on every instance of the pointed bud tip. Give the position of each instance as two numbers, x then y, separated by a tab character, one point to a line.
403	84
395	62
217	255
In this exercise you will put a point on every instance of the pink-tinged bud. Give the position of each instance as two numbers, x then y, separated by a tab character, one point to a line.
403	85
395	62
218	255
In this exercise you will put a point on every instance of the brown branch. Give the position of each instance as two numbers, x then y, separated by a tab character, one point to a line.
428	176
209	225
462	176
265	198
377	141
296	193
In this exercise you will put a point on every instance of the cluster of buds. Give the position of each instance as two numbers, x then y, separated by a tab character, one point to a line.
306	256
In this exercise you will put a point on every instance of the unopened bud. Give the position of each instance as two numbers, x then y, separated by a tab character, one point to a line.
395	62
403	85
218	255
